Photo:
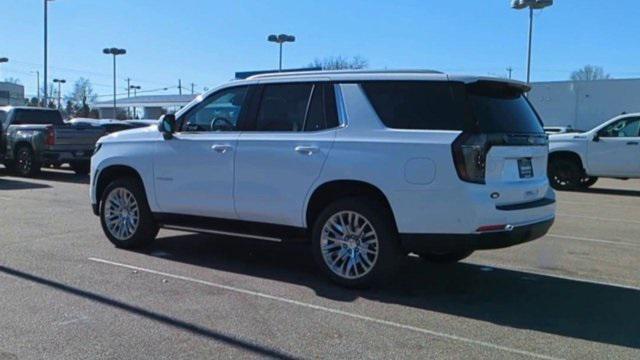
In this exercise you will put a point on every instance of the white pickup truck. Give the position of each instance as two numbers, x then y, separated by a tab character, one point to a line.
611	149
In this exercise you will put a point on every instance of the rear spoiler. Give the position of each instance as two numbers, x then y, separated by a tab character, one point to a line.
524	87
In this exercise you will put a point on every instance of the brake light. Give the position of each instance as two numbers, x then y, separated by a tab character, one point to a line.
50	137
470	156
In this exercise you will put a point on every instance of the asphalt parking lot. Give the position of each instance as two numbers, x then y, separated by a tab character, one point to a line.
67	293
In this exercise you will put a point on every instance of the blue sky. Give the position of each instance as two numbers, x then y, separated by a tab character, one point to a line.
206	41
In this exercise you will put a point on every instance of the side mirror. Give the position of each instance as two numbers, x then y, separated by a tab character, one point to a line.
167	126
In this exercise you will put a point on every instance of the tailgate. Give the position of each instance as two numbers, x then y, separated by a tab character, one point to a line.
519	171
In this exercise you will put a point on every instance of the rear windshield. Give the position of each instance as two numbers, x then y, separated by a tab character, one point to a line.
489	107
36	117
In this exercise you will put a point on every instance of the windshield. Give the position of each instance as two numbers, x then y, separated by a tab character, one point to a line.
36	117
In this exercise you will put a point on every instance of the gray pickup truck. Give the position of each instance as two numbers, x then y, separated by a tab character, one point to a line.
34	137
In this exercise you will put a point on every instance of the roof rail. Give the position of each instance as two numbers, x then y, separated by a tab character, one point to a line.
340	72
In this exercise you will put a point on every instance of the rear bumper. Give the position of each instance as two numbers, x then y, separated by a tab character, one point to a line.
64	156
418	243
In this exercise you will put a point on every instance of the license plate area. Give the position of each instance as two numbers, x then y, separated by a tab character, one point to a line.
525	169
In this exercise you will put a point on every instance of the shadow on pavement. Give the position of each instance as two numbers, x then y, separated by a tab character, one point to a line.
50	175
164	319
6	184
604	191
588	311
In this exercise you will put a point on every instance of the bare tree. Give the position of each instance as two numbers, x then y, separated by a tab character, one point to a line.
340	63
12	80
590	72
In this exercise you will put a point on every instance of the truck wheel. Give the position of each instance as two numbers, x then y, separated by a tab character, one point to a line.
81	167
355	242
588	181
564	174
25	163
445	257
125	215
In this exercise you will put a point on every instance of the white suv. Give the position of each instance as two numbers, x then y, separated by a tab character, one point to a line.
367	165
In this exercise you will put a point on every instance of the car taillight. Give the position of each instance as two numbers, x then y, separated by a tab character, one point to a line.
470	156
50	137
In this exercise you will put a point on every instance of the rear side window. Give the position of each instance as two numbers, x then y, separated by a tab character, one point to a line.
36	117
499	108
283	107
418	105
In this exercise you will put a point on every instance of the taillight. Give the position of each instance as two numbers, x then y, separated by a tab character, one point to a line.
50	137
470	156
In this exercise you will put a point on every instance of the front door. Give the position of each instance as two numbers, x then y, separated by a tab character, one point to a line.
194	170
617	151
283	152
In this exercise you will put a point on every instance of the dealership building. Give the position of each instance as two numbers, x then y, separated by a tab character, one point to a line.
11	94
584	104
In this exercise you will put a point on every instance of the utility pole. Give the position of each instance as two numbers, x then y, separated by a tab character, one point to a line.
45	53
180	86
192	86
509	70
128	88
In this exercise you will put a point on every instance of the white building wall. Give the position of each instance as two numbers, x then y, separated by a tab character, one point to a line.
584	104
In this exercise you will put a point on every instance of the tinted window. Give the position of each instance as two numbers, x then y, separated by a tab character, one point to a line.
331	112
3	117
629	127
219	112
36	117
315	116
283	107
415	104
500	108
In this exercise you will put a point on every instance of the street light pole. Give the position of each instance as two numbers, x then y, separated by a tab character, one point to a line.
135	94
4	60
529	46
115	52
45	51
531	5
59	82
37	83
281	39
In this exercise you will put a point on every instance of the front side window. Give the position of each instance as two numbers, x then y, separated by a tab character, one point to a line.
629	127
283	107
220	112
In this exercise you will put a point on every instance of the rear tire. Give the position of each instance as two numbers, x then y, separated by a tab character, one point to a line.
565	174
588	181
446	257
81	167
25	163
355	242
125	215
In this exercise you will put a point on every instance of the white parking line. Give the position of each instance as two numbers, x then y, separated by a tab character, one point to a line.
599	218
559	276
329	310
602	241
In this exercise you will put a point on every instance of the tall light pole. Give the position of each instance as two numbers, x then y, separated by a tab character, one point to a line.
4	60
45	51
115	52
281	39
135	89
531	5
59	82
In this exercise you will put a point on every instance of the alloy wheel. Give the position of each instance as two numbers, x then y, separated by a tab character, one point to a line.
121	213
349	245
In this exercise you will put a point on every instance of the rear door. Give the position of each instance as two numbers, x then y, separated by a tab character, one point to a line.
516	162
283	151
617	151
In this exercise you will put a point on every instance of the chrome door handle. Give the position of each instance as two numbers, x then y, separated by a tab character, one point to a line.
306	150
219	148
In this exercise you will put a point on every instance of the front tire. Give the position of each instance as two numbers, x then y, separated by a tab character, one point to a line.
565	174
446	257
81	167
125	215
588	181
355	242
